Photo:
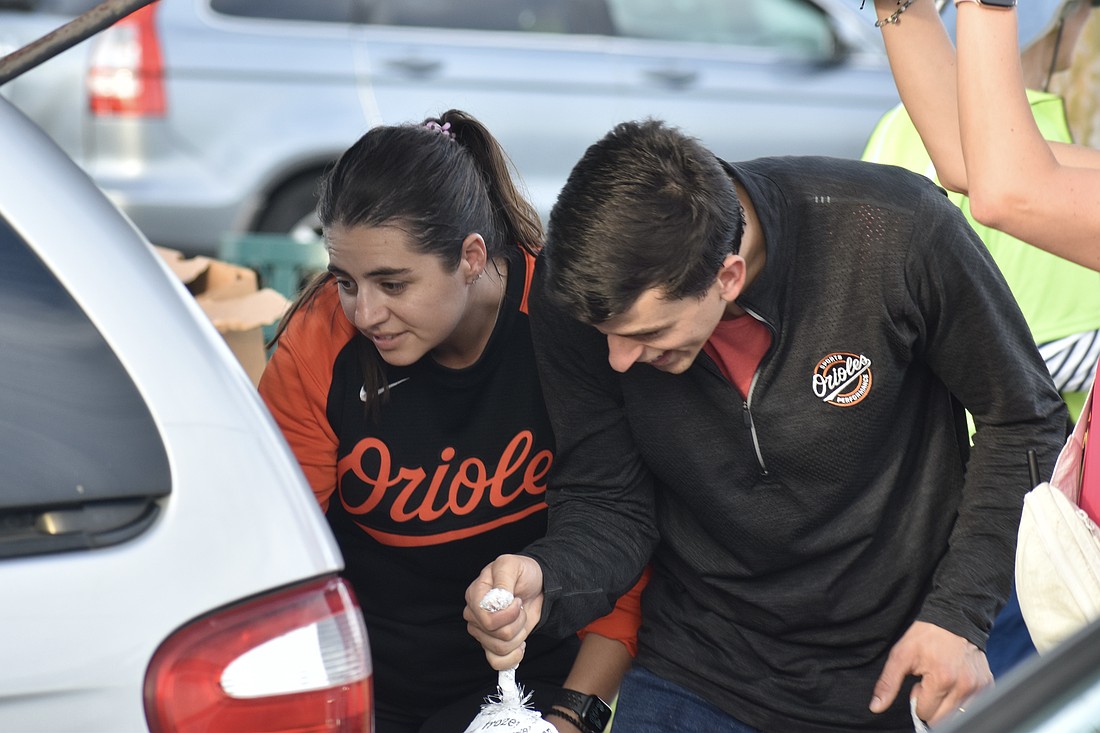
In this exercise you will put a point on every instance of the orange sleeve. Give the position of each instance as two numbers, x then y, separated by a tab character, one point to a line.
624	620
295	387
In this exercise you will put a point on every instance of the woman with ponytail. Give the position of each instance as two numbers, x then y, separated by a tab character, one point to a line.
405	382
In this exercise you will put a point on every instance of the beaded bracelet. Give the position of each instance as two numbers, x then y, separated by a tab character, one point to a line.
892	19
566	716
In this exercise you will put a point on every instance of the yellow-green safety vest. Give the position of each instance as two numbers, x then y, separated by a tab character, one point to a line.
1058	298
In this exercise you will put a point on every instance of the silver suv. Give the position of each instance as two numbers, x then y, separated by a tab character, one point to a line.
163	563
201	117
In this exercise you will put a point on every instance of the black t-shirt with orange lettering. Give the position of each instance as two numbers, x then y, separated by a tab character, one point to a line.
450	475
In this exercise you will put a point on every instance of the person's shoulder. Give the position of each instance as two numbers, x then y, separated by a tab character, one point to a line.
812	168
833	179
539	300
319	327
546	311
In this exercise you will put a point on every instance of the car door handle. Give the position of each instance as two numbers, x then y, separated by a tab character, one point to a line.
673	78
416	66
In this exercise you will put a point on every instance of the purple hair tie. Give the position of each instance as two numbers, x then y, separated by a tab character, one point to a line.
444	129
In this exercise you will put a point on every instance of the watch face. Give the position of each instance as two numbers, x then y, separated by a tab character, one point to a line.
590	709
999	3
598	714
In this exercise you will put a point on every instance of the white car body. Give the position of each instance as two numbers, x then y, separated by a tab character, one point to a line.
81	625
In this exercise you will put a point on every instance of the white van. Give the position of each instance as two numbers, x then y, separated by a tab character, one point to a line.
163	563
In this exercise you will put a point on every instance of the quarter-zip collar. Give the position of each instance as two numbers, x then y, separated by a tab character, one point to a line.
764	295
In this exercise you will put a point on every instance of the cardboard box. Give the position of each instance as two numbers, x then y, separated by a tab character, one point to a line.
231	297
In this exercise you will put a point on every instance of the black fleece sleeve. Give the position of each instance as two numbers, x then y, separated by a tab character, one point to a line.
601	527
977	341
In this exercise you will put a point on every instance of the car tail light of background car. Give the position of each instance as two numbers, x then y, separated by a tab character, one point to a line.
126	75
295	660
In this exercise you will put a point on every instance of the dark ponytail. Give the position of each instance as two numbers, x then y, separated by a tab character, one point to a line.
440	181
519	222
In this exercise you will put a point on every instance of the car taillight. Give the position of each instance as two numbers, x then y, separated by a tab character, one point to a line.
296	660
126	76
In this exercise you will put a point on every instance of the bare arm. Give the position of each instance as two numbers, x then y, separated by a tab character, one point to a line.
978	128
923	61
599	667
598	670
1016	182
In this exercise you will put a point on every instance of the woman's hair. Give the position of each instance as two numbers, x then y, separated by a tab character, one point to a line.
646	207
438	181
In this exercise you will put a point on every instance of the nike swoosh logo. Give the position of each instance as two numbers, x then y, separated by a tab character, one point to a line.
363	389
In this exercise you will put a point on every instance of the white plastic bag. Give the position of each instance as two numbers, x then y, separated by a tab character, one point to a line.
918	724
509	711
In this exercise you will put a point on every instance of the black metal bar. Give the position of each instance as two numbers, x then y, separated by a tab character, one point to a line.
66	36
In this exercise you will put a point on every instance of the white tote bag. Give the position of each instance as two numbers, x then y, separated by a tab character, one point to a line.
1058	549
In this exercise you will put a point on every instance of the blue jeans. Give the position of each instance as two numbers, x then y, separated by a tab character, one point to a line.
1009	640
651	704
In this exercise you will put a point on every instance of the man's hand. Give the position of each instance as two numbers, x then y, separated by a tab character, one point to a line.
951	670
503	633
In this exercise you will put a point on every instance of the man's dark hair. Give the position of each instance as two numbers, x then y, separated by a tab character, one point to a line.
646	206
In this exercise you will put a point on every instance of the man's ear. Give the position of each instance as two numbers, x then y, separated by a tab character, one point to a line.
731	277
475	256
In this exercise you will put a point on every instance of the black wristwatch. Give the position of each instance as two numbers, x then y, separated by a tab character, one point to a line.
593	712
990	3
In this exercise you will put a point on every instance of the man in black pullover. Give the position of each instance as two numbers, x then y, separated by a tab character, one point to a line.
757	375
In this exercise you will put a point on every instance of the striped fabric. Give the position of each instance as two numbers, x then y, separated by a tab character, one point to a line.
1072	360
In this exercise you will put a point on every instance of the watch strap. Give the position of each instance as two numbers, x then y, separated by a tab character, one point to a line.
593	713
